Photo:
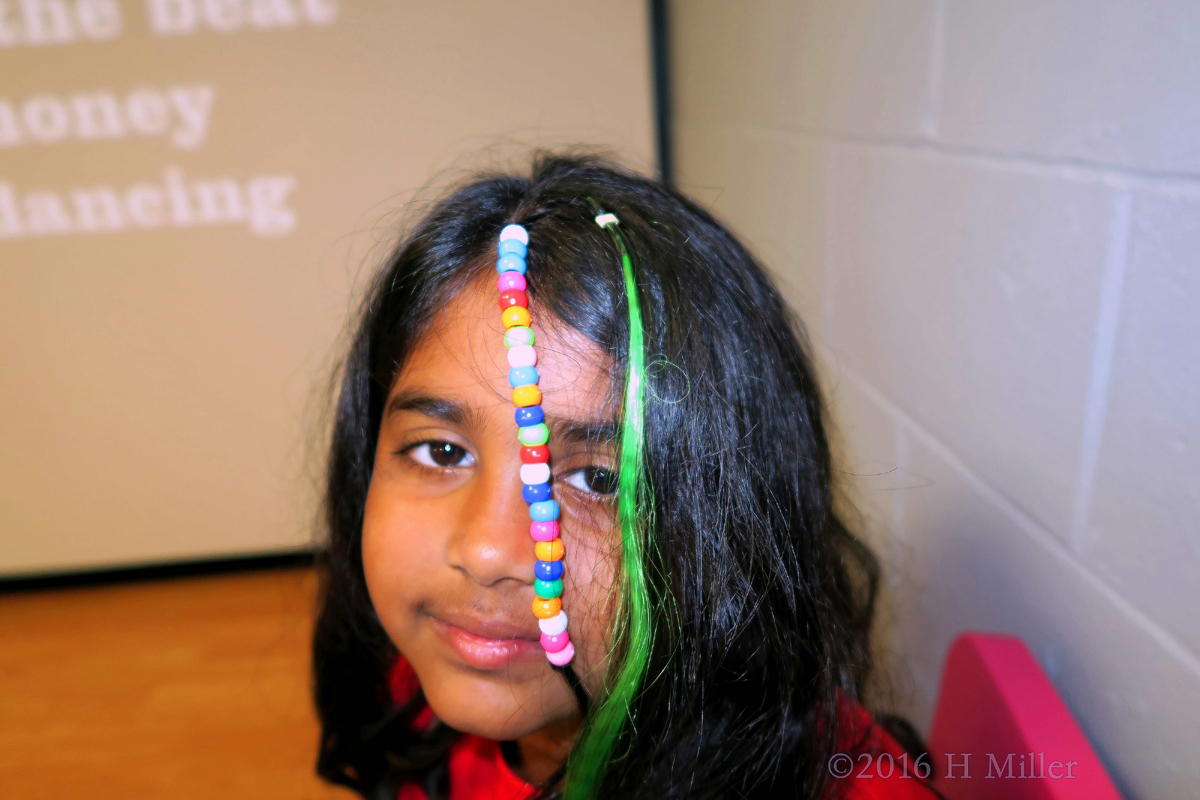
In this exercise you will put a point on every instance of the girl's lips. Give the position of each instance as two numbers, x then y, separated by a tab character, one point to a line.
483	652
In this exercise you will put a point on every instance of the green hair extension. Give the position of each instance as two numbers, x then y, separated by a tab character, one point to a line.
597	745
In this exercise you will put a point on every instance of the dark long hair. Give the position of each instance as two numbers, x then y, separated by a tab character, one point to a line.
765	597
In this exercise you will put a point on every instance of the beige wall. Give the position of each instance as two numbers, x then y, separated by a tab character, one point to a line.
987	214
163	344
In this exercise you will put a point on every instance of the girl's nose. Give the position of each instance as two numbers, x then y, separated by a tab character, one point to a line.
491	541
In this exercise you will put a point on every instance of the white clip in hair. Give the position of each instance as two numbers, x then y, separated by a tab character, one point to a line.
604	220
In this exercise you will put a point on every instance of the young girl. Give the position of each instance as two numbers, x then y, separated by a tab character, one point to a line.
700	615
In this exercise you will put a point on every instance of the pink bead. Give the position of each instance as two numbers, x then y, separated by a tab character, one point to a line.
544	531
552	644
511	280
562	657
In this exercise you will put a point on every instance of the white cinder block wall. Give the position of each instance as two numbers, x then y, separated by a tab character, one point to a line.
988	215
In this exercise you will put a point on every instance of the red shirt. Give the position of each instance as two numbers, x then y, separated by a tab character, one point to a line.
868	753
478	770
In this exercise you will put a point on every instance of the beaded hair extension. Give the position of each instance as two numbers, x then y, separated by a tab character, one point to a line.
595	748
591	756
533	434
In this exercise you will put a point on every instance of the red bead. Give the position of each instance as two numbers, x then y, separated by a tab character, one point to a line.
539	454
513	297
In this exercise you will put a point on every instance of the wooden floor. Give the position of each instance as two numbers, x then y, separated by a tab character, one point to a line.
185	688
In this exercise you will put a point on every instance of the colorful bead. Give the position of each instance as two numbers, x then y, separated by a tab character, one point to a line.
562	657
555	625
550	551
515	317
536	454
535	492
510	263
547	570
552	644
544	511
544	531
527	396
513	297
518	336
522	376
545	609
532	435
535	473
511	280
548	589
514	232
530	415
522	356
514	246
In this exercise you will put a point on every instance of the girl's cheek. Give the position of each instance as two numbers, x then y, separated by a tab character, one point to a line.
400	554
379	561
589	600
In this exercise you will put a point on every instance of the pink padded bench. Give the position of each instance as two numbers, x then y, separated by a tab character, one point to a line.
1008	734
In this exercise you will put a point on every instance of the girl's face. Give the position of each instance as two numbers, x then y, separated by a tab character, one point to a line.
446	546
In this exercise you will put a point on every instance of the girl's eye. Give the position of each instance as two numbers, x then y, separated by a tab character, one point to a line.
441	455
594	480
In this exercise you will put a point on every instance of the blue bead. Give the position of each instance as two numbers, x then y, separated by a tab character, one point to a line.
548	570
512	246
522	376
510	263
544	511
530	415
535	492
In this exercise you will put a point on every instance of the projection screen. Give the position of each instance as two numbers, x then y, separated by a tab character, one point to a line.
191	191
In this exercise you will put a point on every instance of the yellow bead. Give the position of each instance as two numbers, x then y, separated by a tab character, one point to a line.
516	317
526	396
546	609
552	550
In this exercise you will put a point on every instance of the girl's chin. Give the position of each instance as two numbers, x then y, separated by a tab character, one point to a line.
486	709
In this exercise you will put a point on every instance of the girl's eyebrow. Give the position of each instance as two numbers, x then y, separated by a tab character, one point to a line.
567	431
436	407
574	431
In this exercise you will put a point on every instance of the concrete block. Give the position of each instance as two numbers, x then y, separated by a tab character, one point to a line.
851	66
865	444
1097	80
1142	529
867	473
770	190
968	294
973	567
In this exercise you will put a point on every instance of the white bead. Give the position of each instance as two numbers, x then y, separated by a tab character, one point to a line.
534	474
523	355
514	232
555	625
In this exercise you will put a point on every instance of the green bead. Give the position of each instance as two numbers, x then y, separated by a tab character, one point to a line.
548	590
518	335
533	435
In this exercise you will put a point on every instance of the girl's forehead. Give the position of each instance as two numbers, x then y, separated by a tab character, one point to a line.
462	355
